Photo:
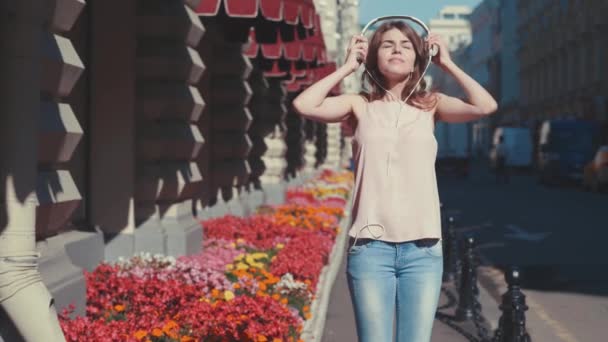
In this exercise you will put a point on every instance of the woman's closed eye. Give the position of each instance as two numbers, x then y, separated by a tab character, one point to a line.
390	45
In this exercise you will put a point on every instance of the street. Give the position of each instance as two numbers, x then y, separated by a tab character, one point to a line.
557	235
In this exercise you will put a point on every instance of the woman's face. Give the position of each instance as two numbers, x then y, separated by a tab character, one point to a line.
396	55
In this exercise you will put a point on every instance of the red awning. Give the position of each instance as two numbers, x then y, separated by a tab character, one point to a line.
297	73
208	7
234	8
296	11
292	86
307	13
293	50
272	9
290	11
275	71
273	51
311	77
308	50
299	82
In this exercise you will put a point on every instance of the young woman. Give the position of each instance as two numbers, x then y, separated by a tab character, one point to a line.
395	259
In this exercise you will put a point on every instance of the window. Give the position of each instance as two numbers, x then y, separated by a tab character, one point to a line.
448	16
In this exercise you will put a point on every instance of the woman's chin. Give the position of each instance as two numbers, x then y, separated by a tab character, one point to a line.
396	75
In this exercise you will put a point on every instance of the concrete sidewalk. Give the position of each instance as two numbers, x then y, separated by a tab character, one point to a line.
340	320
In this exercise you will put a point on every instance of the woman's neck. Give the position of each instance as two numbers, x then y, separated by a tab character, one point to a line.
396	89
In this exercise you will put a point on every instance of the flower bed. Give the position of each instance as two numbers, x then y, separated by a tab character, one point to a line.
254	281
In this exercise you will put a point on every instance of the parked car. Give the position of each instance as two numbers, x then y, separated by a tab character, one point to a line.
517	144
565	146
595	174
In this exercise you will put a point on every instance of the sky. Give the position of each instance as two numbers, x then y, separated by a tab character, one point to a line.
421	9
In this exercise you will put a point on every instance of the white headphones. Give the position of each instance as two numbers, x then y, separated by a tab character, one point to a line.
432	52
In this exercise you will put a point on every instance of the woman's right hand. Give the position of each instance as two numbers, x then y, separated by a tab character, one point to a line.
356	52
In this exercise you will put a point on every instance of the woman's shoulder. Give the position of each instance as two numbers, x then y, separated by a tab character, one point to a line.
427	101
359	103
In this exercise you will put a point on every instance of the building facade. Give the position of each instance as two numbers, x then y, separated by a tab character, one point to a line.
484	65
453	24
563	47
509	111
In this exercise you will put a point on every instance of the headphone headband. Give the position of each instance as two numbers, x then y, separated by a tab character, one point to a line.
389	17
433	49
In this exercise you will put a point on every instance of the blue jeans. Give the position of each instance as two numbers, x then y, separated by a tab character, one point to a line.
384	276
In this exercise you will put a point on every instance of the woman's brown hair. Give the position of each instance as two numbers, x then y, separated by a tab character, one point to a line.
421	97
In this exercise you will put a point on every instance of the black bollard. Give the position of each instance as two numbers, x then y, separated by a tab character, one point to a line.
512	323
468	290
450	261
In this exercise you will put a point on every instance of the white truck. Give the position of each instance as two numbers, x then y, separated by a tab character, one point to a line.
453	147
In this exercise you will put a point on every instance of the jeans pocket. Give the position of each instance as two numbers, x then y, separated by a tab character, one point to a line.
434	250
356	249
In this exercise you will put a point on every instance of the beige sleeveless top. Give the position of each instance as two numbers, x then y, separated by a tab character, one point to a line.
395	196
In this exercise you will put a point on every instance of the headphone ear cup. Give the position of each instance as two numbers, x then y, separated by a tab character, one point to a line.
433	50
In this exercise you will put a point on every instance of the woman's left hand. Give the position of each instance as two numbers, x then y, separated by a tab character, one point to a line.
442	58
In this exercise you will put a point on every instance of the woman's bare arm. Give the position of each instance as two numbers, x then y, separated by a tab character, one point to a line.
451	109
314	103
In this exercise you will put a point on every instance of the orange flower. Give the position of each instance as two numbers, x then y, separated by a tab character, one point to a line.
237	286
261	294
276	296
156	332
171	329
119	308
284	301
277	340
171	325
263	287
215	293
262	338
187	339
140	334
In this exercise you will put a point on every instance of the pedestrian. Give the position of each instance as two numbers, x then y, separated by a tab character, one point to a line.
394	260
502	172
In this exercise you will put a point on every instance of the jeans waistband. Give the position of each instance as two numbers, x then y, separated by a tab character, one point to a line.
425	242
